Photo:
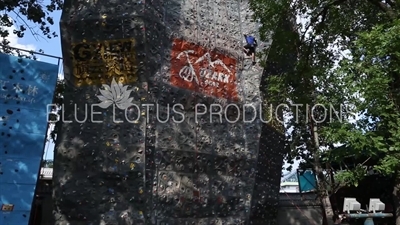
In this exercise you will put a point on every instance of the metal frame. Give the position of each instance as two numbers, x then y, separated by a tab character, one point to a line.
32	52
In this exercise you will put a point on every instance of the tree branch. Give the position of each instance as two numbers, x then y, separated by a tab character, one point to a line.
382	6
323	11
26	24
391	3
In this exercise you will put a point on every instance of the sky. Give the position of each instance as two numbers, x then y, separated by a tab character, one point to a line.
49	46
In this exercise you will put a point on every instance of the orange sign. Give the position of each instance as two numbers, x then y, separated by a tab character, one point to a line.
195	68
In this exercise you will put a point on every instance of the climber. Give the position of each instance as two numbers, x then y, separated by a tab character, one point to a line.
250	47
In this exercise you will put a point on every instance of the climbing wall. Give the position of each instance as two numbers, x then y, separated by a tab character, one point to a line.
169	64
26	88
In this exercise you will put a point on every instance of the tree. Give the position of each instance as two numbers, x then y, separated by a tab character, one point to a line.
56	112
374	74
18	13
47	163
324	30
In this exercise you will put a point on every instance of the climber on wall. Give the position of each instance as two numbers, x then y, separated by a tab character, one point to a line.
250	47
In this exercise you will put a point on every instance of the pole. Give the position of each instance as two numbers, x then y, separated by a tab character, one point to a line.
368	215
30	51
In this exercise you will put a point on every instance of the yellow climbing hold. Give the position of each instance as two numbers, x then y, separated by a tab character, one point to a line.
132	166
108	144
140	191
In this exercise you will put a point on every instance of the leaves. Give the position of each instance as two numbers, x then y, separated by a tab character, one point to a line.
47	163
343	55
323	74
18	14
58	100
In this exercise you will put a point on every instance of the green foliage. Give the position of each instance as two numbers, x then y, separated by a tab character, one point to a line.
56	113
20	14
346	53
353	177
47	163
310	80
367	31
23	11
374	70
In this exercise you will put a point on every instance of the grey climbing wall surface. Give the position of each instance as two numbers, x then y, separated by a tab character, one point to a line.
138	144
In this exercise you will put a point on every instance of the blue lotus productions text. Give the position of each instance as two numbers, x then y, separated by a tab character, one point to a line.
201	113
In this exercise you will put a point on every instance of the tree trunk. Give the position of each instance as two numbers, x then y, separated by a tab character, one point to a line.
323	193
327	207
396	199
322	189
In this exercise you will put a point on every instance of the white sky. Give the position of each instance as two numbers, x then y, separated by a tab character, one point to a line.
14	40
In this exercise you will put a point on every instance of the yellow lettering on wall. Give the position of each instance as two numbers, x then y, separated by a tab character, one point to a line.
98	62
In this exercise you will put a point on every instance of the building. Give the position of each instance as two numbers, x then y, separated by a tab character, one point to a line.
290	183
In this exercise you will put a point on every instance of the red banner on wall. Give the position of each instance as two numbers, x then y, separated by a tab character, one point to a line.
195	68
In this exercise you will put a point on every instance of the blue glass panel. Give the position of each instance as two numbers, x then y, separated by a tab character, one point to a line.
26	88
23	120
22	145
17	194
14	218
19	171
307	181
26	83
